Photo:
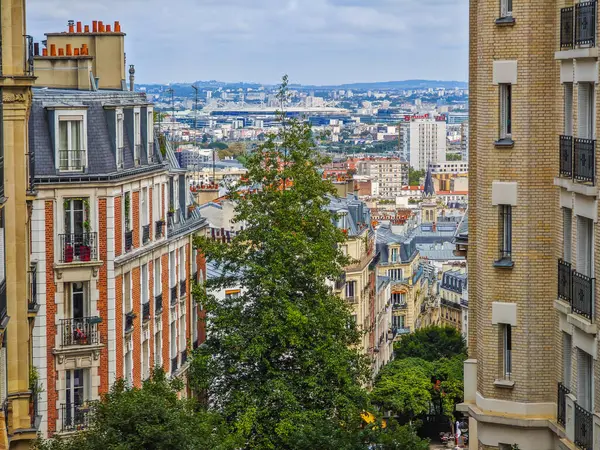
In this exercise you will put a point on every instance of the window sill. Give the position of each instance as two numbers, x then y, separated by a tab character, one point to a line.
504	143
507	21
504	384
504	263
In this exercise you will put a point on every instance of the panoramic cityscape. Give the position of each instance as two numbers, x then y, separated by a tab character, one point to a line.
283	254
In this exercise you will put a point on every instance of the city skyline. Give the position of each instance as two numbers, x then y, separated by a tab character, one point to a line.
320	42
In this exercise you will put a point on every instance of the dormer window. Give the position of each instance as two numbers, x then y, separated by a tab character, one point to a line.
120	141
137	130
71	142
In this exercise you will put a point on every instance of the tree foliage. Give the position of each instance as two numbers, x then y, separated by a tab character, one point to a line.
414	176
147	418
431	343
283	354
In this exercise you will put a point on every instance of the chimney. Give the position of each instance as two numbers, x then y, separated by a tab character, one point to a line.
36	49
52	49
79	27
69	50
44	52
131	77
117	26
61	52
71	24
76	52
94	26
108	28
86	29
100	27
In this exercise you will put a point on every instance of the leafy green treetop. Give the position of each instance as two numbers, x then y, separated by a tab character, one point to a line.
431	344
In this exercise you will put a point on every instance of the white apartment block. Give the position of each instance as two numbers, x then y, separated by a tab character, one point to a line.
427	142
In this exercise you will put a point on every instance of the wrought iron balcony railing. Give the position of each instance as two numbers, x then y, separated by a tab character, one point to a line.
146	311
74	417
182	288
128	241
565	280
145	234
160	226
578	25
80	331
583	295
173	295
561	413
158	306
584	432
72	160
79	247
566	156
584	160
129	317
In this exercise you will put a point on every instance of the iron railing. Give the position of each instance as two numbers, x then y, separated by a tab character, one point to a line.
29	56
32	301
174	365
79	247
584	160
566	156
182	288
173	295
401	330
3	304
74	417
80	331
565	280
158	306
145	234
184	355
1	177
566	27
584	432
146	311
561	412
585	23
583	295
128	240
72	160
129	317
399	306
160	225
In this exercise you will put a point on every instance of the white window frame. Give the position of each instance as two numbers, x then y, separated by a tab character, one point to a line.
137	136
144	284
144	208
567	234
158	348
157	277
71	115
182	271
120	127
585	380
586	110
507	340
150	135
506	110
585	246
506	8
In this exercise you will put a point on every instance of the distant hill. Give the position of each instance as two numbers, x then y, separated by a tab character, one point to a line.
186	88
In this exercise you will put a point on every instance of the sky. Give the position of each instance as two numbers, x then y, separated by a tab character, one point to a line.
313	41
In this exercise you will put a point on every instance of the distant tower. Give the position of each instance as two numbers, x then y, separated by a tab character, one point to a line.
131	77
429	211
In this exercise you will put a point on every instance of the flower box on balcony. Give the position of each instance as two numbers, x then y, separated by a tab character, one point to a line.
68	256
85	253
95	320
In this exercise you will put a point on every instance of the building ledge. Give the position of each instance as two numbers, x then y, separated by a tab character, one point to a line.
59	267
578	188
562	306
504	384
504	263
577	53
78	350
507	21
511	420
504	143
582	323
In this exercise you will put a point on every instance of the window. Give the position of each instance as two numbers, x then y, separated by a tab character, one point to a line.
72	155
398	298
505	231
584	380
567	233
76	393
145	284
395	274
172	273
173	343
585	231
182	331
194	322
507	351
144	207
585	110
127	211
182	264
505	8
127	292
505	111
128	362
138	138
157	278
146	359
398	322
158	349
120	142
394	255
567	346
78	306
350	289
568	88
150	134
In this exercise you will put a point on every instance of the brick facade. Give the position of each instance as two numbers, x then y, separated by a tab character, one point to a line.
50	317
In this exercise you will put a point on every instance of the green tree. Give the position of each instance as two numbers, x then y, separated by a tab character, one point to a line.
414	176
283	354
431	343
148	418
453	157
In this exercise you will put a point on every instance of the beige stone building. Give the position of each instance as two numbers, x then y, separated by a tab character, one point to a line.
532	376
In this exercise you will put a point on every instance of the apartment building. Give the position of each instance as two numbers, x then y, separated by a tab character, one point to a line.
452	285
18	414
427	142
113	221
391	174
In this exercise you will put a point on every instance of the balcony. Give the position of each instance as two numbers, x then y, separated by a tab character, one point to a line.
174	295
184	356
182	288
174	365
80	331
129	317
352	299
128	241
160	226
146	311
158	306
583	295
74	417
584	160
71	160
566	156
78	247
578	26
464	302
402	330
561	413
145	234
565	280
584	433
399	306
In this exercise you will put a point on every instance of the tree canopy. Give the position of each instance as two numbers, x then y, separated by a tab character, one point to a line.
414	176
431	343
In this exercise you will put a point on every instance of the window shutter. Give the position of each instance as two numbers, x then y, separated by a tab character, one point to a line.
584	246
503	110
567	360
567	233
583	116
584	380
568	109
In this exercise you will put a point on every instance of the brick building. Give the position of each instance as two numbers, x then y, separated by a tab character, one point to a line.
112	228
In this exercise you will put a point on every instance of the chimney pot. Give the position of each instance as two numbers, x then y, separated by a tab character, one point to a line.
117	26
71	25
108	28
100	27
52	49
79	27
44	52
69	50
95	26
61	52
76	52
86	29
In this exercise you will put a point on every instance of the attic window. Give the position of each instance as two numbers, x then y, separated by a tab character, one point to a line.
71	141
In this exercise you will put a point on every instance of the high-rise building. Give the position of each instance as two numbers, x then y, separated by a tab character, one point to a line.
464	141
427	142
531	379
391	174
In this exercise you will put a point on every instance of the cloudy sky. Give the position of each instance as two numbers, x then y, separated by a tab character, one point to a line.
313	41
